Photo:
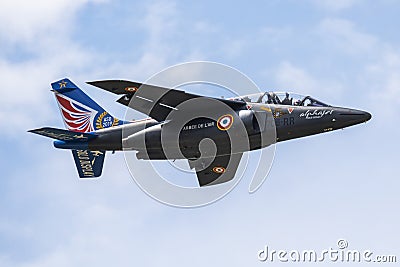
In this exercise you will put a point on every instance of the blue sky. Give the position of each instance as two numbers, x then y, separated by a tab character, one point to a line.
338	185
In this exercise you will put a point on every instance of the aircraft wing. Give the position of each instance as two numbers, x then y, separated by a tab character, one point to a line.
157	102
222	169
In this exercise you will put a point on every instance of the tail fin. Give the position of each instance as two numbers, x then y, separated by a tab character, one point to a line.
79	111
82	114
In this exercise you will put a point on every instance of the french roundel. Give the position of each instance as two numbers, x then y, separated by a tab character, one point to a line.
225	122
219	169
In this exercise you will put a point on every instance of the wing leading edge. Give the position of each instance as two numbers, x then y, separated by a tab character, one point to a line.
154	101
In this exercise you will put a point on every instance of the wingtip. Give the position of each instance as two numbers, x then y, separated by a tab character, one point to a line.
34	130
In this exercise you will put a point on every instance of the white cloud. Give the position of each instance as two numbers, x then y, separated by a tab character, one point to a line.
25	90
41	29
382	79
290	76
46	34
160	20
160	25
158	44
27	20
377	75
235	47
344	35
297	79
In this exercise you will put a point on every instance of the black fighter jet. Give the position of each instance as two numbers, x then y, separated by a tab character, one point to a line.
180	122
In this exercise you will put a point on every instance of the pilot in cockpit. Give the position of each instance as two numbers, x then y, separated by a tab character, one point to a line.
269	101
287	100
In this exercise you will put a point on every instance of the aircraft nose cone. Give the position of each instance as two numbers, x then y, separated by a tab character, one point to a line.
367	116
348	117
360	116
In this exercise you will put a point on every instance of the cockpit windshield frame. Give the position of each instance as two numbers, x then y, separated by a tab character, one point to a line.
281	98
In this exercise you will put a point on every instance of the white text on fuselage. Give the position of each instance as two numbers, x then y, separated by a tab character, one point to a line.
199	126
316	114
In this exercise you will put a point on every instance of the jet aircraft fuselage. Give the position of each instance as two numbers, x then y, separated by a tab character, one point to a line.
290	121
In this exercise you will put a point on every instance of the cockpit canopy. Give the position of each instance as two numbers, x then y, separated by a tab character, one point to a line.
282	99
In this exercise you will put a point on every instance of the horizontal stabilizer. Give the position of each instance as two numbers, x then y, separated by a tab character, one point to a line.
63	135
